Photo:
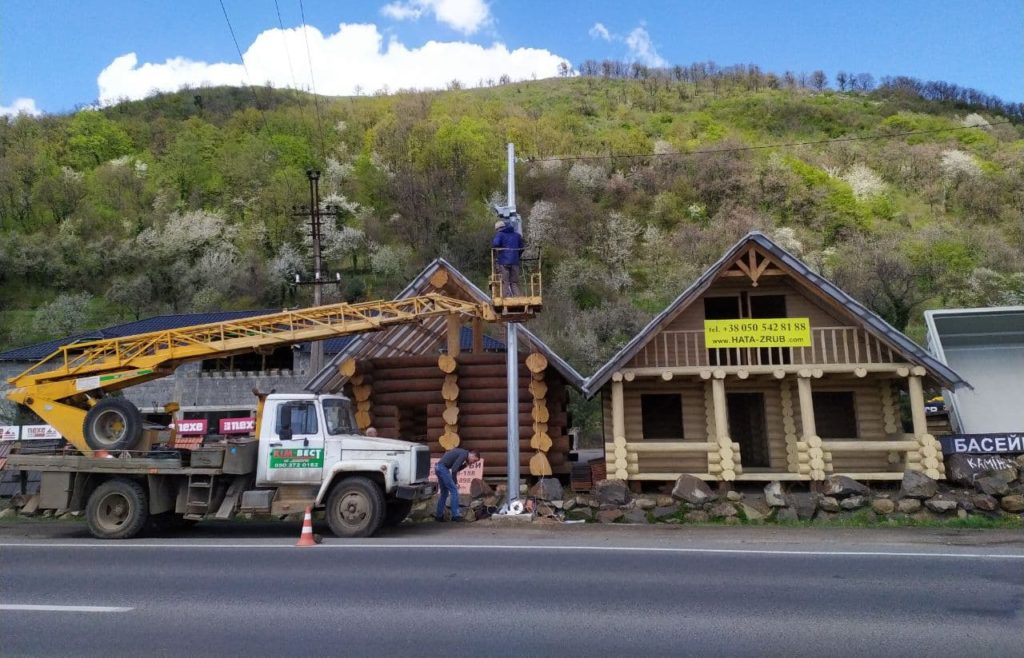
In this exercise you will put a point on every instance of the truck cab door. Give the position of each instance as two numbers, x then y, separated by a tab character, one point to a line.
294	452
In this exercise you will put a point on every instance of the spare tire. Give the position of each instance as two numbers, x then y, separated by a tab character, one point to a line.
113	424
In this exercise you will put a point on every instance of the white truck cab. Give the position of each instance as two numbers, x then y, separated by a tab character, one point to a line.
310	442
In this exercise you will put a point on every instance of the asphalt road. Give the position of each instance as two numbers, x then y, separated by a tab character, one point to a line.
513	592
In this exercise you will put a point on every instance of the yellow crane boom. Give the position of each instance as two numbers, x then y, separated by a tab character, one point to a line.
63	387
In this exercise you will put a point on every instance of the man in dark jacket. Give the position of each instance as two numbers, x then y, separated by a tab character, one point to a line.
447	470
508	246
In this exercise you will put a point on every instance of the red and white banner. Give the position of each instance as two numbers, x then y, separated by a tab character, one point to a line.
192	426
464	478
39	433
9	432
237	425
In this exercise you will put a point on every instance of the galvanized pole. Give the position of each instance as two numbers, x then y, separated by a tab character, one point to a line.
512	363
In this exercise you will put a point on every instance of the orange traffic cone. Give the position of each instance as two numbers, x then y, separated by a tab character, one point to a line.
307	538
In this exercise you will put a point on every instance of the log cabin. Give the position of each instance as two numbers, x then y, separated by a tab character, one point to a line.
442	381
764	370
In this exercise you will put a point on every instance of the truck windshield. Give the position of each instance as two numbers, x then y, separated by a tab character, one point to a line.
338	414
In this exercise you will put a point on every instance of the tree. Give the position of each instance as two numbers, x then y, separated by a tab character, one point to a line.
819	80
842	79
65	315
93	139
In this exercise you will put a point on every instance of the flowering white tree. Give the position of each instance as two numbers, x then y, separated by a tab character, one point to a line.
957	164
864	182
542	223
586	176
66	314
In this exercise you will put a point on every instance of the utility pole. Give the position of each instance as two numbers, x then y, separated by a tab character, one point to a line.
316	347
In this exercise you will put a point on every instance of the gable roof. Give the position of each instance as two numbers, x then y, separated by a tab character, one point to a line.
797	268
416	337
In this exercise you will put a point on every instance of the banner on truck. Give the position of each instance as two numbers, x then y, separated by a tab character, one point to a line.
39	433
237	425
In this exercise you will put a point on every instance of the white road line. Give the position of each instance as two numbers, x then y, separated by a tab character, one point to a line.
541	548
61	608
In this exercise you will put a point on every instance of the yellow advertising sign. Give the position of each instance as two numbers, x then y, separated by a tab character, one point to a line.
750	332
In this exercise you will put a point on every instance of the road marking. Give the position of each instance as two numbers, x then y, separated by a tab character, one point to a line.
62	608
534	547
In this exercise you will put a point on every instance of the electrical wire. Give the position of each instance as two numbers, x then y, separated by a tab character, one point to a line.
312	80
245	68
561	158
287	53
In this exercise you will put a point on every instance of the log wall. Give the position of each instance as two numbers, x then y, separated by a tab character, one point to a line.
406	402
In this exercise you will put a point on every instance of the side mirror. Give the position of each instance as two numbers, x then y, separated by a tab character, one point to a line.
285	434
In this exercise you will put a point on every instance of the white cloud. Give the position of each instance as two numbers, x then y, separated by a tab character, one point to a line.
354	56
599	31
641	48
20	106
465	16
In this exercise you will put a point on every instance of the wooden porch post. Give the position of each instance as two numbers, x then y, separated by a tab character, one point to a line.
789	426
930	452
729	457
618	430
454	335
810	452
478	336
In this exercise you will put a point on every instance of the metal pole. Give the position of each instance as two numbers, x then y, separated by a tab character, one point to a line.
512	177
512	423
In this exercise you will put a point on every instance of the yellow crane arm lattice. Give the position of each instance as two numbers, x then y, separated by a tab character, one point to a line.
62	387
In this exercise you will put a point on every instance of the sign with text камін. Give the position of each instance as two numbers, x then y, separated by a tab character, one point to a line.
237	425
751	332
465	476
983	444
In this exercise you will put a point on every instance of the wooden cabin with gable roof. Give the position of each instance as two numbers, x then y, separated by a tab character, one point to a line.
442	382
764	370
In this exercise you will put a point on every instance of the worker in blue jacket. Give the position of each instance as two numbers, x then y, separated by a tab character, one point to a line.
508	246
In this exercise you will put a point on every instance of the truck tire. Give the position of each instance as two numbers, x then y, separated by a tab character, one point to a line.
117	509
396	512
355	507
113	424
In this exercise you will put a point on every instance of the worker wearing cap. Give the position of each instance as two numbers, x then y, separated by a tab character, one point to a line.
508	248
447	470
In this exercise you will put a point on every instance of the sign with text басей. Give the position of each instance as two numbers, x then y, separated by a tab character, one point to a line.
983	444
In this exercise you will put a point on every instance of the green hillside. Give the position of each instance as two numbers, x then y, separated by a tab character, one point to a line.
184	201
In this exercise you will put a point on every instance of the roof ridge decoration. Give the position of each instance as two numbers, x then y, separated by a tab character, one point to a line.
741	260
420	283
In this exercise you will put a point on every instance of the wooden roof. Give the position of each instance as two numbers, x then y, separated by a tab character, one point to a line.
421	337
756	256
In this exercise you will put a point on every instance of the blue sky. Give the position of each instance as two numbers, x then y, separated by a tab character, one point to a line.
56	54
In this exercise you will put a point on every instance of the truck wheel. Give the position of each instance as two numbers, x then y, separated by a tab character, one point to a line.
355	508
113	424
117	509
396	513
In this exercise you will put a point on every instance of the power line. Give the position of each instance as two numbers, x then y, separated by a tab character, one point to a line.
255	97
756	147
312	80
287	53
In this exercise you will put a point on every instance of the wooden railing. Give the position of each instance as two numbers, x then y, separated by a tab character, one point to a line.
829	346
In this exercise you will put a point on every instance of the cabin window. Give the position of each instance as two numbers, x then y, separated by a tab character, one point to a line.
662	416
298	417
835	415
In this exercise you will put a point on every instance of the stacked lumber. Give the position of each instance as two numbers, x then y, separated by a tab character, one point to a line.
540	465
360	381
450	392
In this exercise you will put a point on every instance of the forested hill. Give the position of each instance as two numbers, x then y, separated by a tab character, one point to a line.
184	201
